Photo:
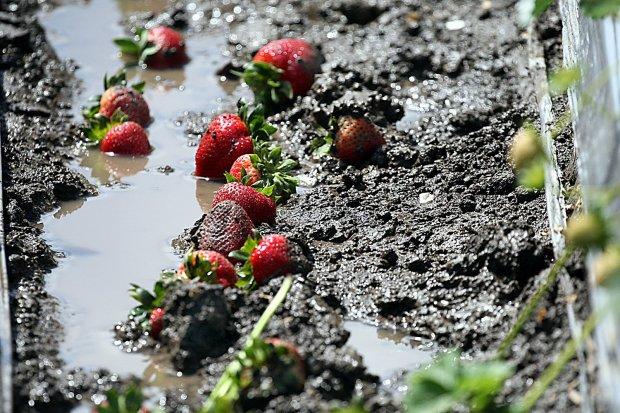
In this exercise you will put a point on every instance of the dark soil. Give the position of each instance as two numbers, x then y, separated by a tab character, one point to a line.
429	237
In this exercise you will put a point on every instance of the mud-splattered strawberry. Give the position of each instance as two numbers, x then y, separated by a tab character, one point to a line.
224	228
267	257
119	96
259	207
208	266
355	140
229	136
286	366
282	69
156	321
159	48
267	171
128	100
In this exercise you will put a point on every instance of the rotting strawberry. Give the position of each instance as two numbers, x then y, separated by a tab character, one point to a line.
265	170
224	228
282	69
259	207
208	266
229	136
355	140
267	257
117	135
287	367
118	95
159	48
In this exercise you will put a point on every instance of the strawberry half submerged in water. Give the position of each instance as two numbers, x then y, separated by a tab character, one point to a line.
282	69
259	207
159	48
117	135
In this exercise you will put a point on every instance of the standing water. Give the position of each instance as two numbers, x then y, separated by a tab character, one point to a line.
123	235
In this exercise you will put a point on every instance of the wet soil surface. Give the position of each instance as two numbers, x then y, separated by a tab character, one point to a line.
430	238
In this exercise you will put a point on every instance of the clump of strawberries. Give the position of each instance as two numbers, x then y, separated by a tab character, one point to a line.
158	48
282	69
351	139
116	119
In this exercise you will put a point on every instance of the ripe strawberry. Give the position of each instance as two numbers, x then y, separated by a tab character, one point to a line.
156	321
244	171
259	207
356	140
208	266
282	69
128	138
160	47
225	228
226	138
128	100
266	171
268	257
230	136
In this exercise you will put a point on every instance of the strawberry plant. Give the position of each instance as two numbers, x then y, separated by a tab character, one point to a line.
254	354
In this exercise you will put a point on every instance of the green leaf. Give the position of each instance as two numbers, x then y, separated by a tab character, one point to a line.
598	9
532	177
127	45
529	9
561	80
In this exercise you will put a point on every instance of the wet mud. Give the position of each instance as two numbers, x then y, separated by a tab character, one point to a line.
430	238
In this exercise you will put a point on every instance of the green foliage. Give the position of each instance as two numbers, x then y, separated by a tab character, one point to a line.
129	401
98	126
561	80
246	278
255	119
598	9
450	382
198	267
137	46
529	9
238	375
265	81
149	301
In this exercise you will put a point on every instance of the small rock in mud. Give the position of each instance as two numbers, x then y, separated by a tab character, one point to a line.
197	325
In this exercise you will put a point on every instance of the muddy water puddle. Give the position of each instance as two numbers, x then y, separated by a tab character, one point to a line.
123	235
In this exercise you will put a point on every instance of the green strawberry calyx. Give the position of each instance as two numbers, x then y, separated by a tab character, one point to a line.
198	267
117	79
266	82
324	144
149	301
137	46
275	178
246	278
98	126
254	119
128	401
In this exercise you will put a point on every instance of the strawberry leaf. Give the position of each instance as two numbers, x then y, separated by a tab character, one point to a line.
265	81
127	45
98	126
138	46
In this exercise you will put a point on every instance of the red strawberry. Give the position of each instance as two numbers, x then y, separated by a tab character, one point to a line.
244	171
156	321
260	208
160	47
225	228
270	258
208	266
226	138
128	138
356	139
128	100
281	69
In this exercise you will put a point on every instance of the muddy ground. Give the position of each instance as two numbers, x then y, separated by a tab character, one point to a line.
430	237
